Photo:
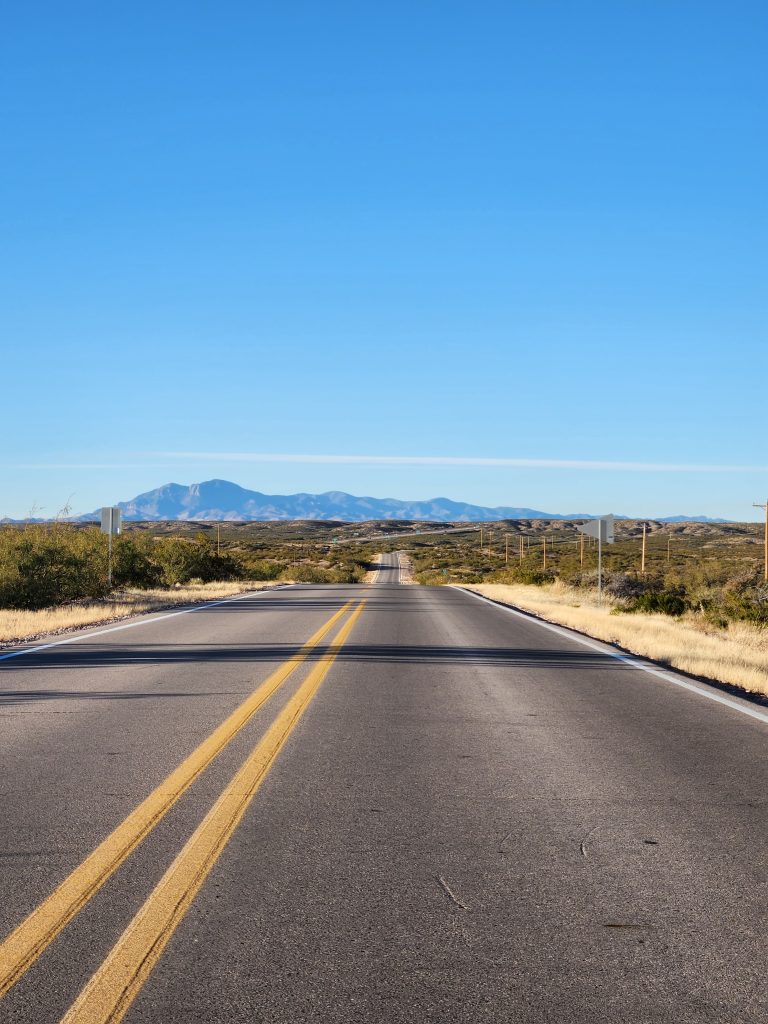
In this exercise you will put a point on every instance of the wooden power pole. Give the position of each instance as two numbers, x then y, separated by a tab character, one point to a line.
506	549
642	557
545	551
765	540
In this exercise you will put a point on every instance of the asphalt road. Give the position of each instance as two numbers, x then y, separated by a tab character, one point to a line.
390	568
463	817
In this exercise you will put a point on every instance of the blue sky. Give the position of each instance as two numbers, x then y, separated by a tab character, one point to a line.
523	231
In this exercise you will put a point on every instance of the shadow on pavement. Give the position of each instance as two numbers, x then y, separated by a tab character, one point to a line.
87	656
11	698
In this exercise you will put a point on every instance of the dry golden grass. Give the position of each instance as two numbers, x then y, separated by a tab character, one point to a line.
370	576
737	655
406	569
20	625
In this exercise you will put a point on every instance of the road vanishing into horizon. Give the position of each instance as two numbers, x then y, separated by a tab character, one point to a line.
377	803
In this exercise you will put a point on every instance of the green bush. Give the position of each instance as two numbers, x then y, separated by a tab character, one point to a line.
133	563
352	571
523	574
180	561
262	569
667	602
43	565
308	574
748	605
49	564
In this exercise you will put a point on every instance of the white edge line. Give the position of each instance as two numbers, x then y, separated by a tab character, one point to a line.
628	659
137	622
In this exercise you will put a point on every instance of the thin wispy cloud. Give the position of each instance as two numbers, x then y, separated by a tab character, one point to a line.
451	460
73	465
169	458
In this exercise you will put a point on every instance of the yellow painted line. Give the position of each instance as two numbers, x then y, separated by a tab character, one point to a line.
26	943
108	995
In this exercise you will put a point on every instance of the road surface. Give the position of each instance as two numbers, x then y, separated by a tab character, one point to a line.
443	812
390	568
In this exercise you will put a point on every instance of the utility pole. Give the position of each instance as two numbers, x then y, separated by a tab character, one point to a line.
521	549
545	551
642	557
669	541
506	549
581	553
765	542
481	540
218	540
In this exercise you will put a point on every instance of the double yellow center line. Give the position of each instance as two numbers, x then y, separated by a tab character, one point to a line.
114	986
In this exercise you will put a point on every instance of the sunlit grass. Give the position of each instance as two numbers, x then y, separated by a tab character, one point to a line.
23	625
736	655
375	564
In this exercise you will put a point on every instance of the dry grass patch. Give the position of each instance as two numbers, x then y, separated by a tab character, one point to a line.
737	655
16	626
406	569
370	576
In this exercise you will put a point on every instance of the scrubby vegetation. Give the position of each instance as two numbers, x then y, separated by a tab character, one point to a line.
712	571
44	565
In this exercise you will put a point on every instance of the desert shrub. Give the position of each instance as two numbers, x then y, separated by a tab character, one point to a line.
745	598
262	569
713	614
308	574
583	578
50	564
180	561
666	602
625	586
53	563
133	563
350	572
523	574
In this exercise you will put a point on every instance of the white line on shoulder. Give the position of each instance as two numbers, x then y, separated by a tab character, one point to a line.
627	659
131	625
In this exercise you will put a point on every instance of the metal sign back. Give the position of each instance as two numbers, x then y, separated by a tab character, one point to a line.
601	528
111	519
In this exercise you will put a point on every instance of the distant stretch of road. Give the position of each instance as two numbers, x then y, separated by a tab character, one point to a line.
389	571
378	803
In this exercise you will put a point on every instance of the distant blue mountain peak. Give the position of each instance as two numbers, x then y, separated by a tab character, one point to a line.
224	500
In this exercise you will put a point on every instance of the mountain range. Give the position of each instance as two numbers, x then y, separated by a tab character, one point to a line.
226	501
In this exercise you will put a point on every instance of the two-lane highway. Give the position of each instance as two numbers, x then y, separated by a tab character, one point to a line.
373	803
389	568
